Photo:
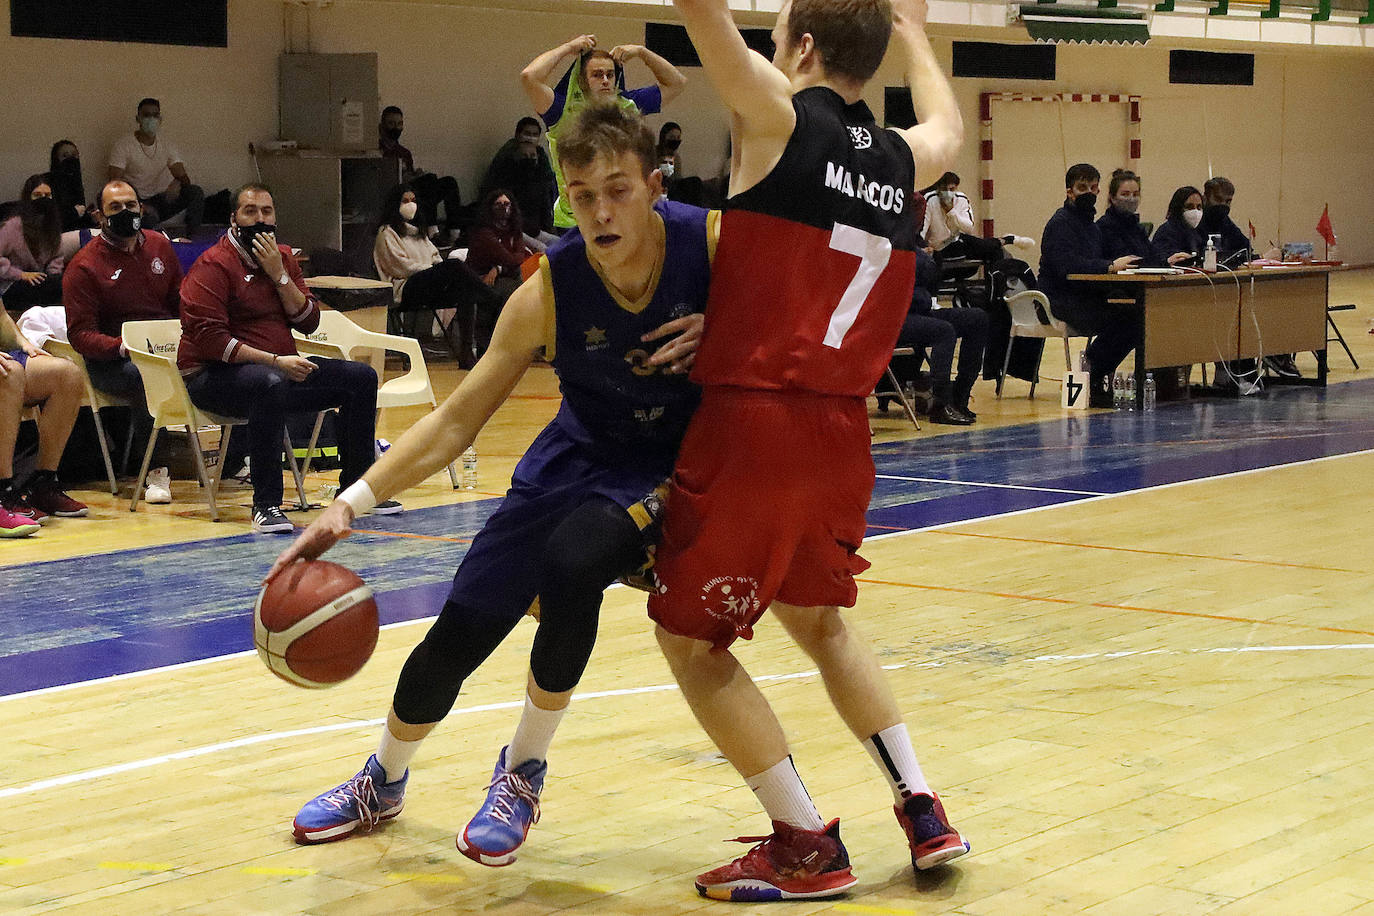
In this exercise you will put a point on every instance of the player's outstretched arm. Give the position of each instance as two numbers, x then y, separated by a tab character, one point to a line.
749	85
446	432
670	79
935	140
537	79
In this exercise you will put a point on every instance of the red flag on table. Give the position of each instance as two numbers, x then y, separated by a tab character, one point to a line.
1253	233
1324	227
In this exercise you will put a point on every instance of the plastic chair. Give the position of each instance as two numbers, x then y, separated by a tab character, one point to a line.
1031	317
152	345
95	400
907	407
339	338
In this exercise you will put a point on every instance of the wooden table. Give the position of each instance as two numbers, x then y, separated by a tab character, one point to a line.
1248	313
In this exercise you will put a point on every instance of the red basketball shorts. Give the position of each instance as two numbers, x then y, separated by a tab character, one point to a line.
768	501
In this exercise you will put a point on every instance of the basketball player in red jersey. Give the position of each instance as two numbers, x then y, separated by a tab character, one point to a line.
812	278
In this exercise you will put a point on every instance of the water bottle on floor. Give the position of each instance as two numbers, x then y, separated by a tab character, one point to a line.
470	468
1130	391
1118	392
1149	391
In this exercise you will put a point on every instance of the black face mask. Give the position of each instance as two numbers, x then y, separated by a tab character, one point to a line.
392	133
124	224
672	145
248	233
1213	214
1086	203
70	167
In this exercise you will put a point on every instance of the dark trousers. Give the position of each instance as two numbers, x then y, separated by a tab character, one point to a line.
190	198
972	247
939	330
450	284
264	396
1117	328
120	378
21	295
431	191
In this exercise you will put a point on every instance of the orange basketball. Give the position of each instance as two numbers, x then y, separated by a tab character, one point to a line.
315	624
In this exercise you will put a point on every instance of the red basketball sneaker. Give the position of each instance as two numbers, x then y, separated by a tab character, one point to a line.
790	864
932	840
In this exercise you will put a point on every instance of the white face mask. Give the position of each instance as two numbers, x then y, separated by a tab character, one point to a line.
666	168
150	125
409	209
1192	217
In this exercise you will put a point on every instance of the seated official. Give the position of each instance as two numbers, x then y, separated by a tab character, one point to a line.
30	376
1120	226
239	303
31	248
940	330
421	279
127	274
1072	244
1179	231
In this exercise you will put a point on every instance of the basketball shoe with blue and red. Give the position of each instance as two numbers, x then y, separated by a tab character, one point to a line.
790	864
499	827
357	805
928	832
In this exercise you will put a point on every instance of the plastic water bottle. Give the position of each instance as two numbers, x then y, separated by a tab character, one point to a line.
1083	361
1130	391
470	468
1149	391
1209	256
1118	391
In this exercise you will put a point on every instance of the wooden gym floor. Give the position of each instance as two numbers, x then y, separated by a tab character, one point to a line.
1133	651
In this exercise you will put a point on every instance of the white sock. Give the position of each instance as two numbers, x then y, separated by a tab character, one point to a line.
395	755
780	791
534	734
891	750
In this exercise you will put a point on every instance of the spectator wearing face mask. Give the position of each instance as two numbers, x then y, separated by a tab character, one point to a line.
1120	226
498	244
1179	231
670	141
150	163
1072	244
421	279
68	187
949	227
521	167
431	190
240	301
30	248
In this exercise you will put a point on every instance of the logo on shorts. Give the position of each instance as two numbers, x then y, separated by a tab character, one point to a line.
158	266
860	137
733	599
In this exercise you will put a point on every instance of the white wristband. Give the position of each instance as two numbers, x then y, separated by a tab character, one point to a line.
359	497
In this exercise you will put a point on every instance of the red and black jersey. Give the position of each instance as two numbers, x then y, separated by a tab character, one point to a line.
815	266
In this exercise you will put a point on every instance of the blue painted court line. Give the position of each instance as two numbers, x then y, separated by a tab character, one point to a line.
97	616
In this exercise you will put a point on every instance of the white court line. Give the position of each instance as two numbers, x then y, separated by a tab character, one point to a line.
57	782
41	691
996	486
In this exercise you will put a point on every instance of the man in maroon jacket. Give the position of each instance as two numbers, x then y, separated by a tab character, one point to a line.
125	275
239	303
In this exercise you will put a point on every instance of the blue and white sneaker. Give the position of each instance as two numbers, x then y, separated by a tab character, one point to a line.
358	805
512	807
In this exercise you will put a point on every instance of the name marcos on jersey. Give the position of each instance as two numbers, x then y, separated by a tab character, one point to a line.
872	193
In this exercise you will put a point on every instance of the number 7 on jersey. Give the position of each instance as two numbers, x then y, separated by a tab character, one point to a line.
873	252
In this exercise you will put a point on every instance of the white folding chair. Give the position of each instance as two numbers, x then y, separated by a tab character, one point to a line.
152	345
339	338
1031	317
95	400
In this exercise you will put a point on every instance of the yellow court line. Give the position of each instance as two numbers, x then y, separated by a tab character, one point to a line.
1115	607
1157	553
137	866
13	861
283	872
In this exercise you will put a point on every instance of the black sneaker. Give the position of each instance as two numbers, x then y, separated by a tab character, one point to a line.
386	507
271	520
1282	366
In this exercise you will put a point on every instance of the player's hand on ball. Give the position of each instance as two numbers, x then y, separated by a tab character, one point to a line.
332	526
680	351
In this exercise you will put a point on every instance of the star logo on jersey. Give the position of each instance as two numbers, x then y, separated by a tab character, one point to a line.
158	267
115	275
860	137
596	339
733	599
